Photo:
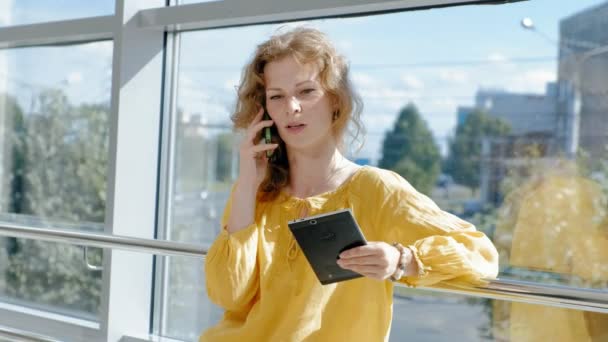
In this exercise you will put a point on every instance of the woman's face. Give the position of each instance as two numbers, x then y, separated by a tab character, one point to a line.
297	103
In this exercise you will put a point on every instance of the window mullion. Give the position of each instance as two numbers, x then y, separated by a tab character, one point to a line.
133	170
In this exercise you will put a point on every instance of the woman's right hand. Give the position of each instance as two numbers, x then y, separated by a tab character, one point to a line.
253	160
252	170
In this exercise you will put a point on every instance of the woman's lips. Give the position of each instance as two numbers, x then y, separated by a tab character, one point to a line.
296	129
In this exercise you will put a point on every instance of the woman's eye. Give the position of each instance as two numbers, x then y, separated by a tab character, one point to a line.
274	97
308	91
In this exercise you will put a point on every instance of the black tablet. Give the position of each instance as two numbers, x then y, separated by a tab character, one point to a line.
323	237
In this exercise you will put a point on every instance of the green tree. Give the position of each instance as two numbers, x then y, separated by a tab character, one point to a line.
63	151
410	150
464	159
225	148
11	145
11	172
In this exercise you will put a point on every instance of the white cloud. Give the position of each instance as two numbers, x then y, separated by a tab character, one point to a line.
412	82
344	45
442	104
231	85
373	89
502	62
379	122
454	76
74	77
212	103
363	80
531	81
497	57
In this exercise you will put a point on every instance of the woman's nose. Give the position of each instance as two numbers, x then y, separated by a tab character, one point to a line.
293	105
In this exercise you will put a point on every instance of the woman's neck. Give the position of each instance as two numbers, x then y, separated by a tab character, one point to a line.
315	172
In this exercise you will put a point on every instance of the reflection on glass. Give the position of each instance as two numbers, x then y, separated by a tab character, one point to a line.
507	133
557	223
21	12
54	153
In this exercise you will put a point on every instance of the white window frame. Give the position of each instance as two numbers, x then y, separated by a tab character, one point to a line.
143	73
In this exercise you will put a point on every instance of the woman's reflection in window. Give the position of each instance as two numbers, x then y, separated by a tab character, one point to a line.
556	222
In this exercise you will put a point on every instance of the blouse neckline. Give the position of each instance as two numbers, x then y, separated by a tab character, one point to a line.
342	187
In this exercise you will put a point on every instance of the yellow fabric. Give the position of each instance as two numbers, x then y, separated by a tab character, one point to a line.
263	281
562	227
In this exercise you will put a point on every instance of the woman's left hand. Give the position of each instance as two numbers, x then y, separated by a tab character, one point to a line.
377	260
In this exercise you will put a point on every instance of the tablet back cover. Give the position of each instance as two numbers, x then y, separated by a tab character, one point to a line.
323	237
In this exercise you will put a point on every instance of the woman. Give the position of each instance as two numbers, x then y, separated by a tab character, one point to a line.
255	269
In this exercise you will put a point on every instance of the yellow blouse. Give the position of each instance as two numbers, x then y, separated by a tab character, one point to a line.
269	292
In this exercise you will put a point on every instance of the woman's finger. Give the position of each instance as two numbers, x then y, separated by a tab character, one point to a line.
263	147
365	260
369	249
367	270
255	129
364	268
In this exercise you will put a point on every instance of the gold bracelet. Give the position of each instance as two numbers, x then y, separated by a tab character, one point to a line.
401	266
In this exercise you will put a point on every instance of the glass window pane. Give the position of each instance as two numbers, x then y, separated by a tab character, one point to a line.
513	133
421	315
21	12
54	110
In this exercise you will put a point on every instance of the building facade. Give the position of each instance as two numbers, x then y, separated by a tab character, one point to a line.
583	63
542	126
525	112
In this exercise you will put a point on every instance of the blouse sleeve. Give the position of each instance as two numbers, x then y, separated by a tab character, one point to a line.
446	248
231	266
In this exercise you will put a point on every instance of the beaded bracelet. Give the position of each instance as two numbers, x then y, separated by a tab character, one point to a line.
400	271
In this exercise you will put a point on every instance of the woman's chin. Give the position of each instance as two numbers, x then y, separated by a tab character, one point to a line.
307	145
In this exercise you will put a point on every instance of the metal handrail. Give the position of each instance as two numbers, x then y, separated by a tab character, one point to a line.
502	289
19	335
101	240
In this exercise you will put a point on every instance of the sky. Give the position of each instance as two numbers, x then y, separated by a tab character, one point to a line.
437	59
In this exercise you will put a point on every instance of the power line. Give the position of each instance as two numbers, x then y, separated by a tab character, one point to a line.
456	63
523	60
365	97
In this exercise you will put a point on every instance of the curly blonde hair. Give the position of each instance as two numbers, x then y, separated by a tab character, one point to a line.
306	45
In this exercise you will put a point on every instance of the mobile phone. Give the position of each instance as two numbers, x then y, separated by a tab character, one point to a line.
267	132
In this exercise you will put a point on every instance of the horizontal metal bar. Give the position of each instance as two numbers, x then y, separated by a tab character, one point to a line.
237	13
90	239
514	290
60	32
502	289
18	335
